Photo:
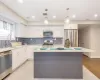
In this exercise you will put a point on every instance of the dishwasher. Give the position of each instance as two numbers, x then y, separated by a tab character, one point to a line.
5	64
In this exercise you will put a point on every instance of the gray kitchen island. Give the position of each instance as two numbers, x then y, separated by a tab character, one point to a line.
59	64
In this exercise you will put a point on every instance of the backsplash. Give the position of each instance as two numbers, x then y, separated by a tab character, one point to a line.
34	41
5	43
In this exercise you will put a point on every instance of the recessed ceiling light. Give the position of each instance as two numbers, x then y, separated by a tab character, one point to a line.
54	17
74	16
96	15
33	17
20	1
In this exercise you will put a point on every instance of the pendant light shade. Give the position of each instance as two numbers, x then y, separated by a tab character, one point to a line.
46	22
67	21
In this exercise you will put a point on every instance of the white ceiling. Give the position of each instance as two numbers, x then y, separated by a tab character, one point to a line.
83	9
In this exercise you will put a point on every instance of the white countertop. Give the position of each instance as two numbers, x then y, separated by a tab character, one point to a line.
10	48
48	50
73	50
5	49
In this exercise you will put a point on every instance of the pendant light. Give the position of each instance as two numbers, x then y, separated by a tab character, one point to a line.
46	22
67	20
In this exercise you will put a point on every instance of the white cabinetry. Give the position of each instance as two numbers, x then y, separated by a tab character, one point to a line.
30	52
20	30
34	32
18	57
70	26
37	31
58	33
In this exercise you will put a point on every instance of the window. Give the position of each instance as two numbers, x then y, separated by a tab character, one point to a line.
1	24
7	30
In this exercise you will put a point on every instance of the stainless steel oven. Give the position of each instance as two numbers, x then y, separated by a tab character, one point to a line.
5	64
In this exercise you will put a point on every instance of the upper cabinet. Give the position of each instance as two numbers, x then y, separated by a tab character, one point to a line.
58	32
34	31
20	30
37	31
28	31
71	26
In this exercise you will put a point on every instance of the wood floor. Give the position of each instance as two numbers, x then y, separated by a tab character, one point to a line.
92	64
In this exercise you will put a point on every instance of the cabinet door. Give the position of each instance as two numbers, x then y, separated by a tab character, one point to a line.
15	59
30	52
19	56
20	30
34	32
22	55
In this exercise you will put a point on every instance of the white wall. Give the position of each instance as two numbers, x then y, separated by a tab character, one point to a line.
21	30
95	40
84	37
89	37
10	14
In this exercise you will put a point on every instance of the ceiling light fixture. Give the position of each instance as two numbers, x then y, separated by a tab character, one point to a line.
33	17
20	1
54	17
46	17
46	22
74	16
96	15
67	20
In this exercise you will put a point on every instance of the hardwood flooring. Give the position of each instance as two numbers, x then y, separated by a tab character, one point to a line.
92	64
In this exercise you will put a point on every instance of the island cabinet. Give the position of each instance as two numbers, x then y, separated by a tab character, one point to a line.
18	57
58	65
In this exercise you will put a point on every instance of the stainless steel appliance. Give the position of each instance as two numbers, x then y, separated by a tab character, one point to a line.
48	38
48	42
5	64
48	33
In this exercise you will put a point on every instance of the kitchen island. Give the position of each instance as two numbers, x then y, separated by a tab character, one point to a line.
59	63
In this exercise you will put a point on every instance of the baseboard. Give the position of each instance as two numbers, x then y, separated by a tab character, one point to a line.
54	79
87	55
20	66
5	73
30	59
94	56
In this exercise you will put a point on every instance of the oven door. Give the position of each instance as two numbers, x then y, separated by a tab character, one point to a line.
5	64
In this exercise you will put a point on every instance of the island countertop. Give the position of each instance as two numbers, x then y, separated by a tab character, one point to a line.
71	49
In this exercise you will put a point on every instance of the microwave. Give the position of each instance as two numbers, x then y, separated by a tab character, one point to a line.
48	34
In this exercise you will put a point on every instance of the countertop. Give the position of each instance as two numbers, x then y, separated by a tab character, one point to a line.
10	48
72	49
37	49
5	49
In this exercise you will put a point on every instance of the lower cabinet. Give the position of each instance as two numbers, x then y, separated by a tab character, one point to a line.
29	52
18	57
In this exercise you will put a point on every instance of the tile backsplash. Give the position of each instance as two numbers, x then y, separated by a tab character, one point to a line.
34	41
5	43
